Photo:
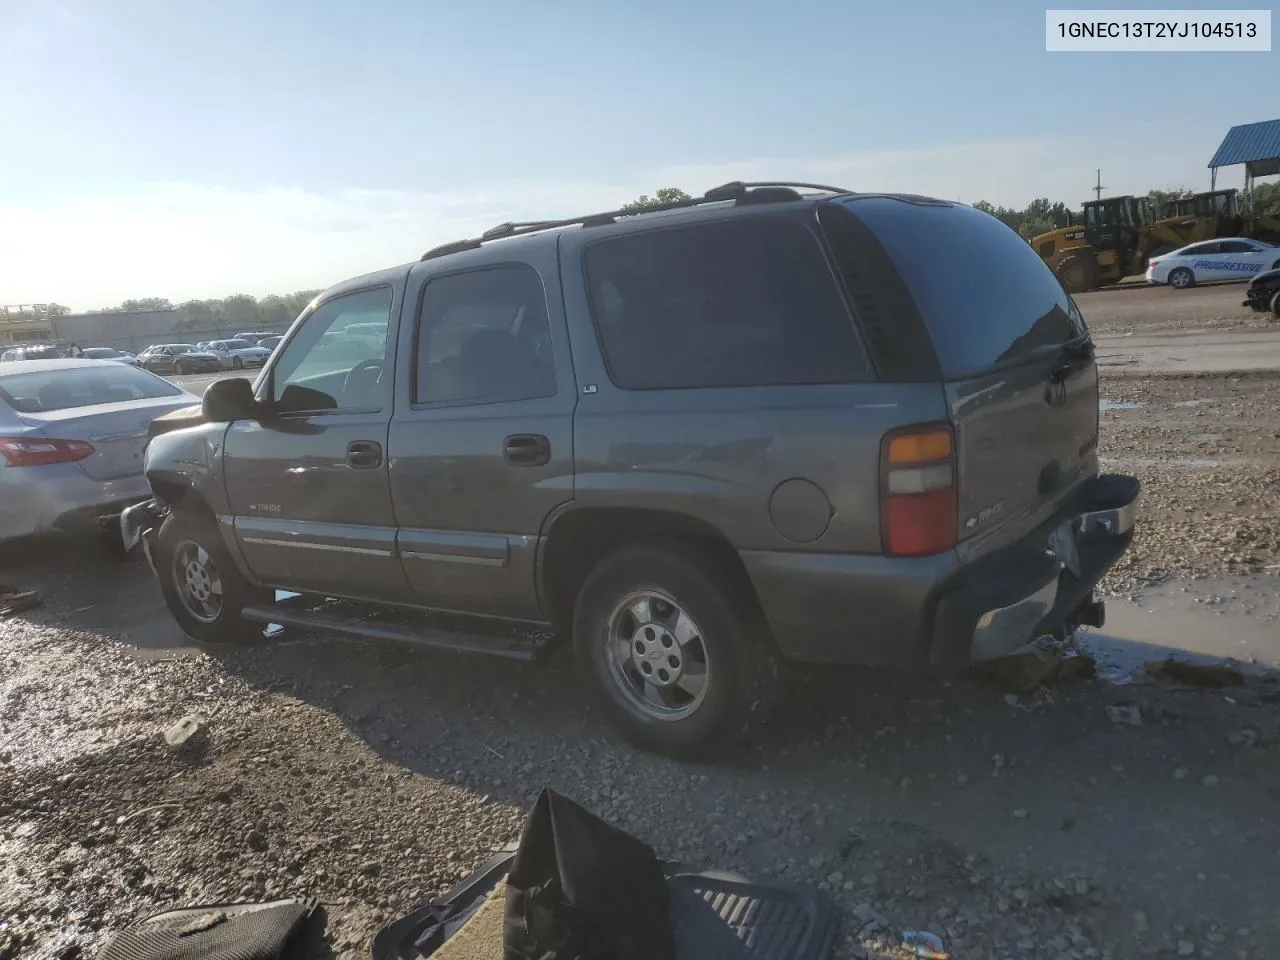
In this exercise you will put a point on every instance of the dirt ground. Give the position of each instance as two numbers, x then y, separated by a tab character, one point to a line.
1119	816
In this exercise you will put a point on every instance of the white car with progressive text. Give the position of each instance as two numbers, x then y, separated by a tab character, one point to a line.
1232	258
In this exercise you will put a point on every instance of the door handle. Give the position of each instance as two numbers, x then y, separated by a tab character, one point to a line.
527	449
364	454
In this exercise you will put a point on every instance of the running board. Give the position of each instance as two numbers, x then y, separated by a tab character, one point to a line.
288	614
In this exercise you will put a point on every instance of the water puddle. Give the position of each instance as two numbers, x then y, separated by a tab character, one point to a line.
1105	404
1200	621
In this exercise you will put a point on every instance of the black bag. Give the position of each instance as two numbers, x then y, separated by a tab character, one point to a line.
580	889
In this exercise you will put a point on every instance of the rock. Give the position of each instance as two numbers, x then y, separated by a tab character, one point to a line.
1128	715
1209	781
1019	814
371	868
1186	948
1181	773
255	840
181	731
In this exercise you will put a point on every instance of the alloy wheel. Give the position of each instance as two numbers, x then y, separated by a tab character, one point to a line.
657	658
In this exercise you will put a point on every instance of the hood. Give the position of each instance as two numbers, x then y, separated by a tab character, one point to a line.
176	420
1267	277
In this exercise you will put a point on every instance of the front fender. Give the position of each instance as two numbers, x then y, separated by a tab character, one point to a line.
189	461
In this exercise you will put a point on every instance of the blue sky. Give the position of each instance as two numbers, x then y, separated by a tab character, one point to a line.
180	149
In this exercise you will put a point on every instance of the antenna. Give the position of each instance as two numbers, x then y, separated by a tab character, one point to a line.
1097	191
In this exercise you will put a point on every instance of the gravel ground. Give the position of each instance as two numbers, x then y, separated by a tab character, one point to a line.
1143	309
1086	820
1207	450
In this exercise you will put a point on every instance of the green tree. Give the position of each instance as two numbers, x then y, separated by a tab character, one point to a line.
198	315
1265	199
240	310
664	195
147	303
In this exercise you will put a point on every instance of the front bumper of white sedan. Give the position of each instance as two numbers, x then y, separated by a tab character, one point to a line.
61	496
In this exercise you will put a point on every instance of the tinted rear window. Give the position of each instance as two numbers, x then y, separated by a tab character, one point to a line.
985	296
42	391
748	301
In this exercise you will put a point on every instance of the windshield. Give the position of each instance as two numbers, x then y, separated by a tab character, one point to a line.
42	391
181	348
238	344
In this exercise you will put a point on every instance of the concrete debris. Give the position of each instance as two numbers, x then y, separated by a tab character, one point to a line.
182	731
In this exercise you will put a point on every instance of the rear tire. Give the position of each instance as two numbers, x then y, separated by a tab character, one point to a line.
1181	278
202	587
237	364
676	653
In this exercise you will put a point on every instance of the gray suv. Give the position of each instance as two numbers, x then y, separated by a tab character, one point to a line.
779	420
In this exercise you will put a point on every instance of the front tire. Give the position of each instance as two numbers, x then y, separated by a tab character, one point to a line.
1181	278
1078	274
675	651
1275	305
237	364
202	587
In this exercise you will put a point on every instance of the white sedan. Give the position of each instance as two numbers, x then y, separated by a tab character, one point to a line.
1232	258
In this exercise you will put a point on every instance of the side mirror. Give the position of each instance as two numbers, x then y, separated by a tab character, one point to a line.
228	400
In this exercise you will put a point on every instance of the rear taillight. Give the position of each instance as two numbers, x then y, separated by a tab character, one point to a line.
39	452
918	491
1151	263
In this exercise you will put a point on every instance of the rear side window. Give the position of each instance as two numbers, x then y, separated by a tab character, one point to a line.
484	337
46	390
742	302
986	298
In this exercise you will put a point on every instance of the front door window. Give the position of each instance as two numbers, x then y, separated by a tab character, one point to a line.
338	359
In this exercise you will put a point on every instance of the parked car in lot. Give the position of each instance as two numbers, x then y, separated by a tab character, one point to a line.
179	358
1234	258
770	422
110	353
72	434
238	354
1263	294
40	351
271	342
253	338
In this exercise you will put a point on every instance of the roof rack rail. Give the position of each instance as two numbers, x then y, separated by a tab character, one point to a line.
738	191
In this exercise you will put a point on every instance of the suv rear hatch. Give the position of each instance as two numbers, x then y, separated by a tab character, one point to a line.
1012	351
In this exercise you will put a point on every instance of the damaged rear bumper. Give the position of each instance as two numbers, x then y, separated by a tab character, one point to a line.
139	525
1040	587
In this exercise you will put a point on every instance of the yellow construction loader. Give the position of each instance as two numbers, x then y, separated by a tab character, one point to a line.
1103	244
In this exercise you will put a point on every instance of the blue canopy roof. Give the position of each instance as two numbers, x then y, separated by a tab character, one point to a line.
1255	144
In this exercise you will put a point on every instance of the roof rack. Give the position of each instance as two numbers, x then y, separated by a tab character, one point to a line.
737	191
